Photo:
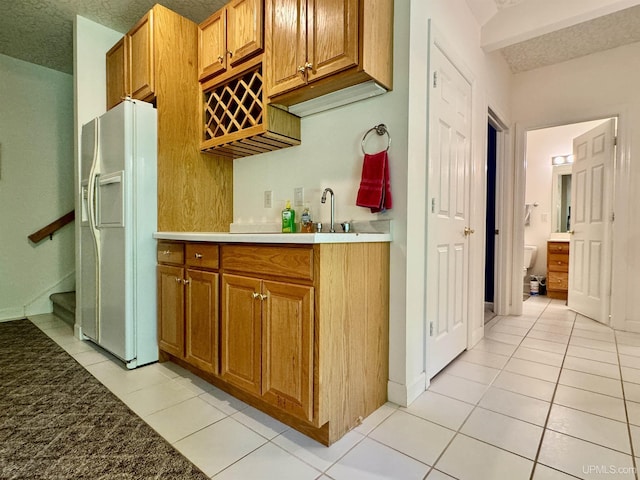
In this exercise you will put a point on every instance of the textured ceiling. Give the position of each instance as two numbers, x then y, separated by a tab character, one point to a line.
603	33
41	31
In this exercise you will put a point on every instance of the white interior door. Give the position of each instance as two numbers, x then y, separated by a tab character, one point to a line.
591	216
448	227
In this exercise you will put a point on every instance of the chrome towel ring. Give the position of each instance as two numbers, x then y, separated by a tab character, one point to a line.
380	130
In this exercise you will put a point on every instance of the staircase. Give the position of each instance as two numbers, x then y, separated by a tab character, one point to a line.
64	306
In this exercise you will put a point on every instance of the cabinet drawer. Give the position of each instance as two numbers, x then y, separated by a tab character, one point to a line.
557	281
288	262
171	252
203	255
558	247
557	262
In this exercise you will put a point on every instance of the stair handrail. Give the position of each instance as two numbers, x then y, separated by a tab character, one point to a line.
52	228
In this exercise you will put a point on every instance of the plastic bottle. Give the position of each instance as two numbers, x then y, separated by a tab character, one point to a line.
288	219
306	225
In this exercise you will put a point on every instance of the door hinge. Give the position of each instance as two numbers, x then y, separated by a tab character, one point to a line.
613	216
615	141
497	232
433	205
431	329
435	79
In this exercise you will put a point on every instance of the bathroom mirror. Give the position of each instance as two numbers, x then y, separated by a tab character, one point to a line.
561	199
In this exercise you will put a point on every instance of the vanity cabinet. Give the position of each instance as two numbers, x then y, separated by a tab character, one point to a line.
557	269
188	305
303	331
229	37
314	47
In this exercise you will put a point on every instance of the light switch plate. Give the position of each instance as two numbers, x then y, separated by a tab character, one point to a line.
298	196
268	198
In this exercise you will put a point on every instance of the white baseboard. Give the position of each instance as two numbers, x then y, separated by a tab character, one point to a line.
403	395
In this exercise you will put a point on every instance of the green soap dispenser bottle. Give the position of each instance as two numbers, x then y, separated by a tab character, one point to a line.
288	219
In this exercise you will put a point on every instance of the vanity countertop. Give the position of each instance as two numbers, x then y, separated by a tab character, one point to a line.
284	238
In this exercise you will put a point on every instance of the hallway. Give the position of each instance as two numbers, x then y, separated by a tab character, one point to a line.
549	395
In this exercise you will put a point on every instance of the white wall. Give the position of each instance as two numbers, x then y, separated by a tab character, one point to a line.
36	185
597	86
91	41
542	144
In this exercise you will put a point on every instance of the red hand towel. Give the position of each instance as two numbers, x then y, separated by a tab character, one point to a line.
375	185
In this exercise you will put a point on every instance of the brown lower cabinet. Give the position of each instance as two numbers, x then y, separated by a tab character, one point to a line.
188	306
302	331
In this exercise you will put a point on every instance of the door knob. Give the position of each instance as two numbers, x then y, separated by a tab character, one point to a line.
468	231
571	232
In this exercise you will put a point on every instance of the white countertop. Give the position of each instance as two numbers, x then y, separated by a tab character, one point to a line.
300	238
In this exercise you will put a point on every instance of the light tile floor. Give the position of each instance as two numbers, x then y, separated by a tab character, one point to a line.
548	395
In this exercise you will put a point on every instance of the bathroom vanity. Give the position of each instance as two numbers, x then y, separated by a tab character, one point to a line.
558	269
296	325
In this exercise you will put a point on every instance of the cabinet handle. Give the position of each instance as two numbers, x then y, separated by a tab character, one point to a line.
230	53
256	295
178	280
263	297
186	282
308	66
220	58
198	256
165	252
301	69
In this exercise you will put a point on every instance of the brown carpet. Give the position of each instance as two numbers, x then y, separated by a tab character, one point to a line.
58	422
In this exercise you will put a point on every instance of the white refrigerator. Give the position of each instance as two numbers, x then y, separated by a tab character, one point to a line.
118	188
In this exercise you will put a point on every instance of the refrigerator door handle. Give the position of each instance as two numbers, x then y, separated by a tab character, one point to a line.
92	207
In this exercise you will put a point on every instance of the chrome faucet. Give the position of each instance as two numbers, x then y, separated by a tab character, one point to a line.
324	200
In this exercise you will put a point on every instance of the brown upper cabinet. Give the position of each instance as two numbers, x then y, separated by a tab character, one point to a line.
327	45
130	64
229	37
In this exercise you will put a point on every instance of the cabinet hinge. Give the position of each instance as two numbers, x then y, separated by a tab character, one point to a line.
431	329
435	79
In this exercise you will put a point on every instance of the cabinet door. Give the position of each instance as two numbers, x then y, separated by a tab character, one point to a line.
240	332
171	310
244	29
332	36
212	54
141	61
202	320
286	29
287	348
117	74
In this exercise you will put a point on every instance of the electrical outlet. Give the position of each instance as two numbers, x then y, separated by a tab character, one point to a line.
268	198
298	197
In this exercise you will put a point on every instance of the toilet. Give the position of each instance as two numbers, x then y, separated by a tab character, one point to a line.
530	252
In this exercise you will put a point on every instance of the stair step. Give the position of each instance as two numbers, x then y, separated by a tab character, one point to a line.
64	306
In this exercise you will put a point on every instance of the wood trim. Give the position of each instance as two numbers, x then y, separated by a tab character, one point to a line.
53	227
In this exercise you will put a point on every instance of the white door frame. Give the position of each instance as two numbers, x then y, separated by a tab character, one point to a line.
504	222
621	208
